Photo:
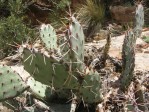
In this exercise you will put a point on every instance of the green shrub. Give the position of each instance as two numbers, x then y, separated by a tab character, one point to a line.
12	28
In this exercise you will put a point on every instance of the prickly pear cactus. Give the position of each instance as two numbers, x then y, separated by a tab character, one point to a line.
128	62
36	65
139	20
48	70
11	84
38	89
128	51
67	73
45	92
48	36
90	90
106	50
75	37
139	17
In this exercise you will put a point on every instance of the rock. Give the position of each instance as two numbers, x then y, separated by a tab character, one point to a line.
142	58
122	14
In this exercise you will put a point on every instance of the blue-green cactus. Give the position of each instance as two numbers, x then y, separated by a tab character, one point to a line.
68	73
90	89
38	89
48	36
48	70
139	17
139	20
75	38
11	84
128	56
128	51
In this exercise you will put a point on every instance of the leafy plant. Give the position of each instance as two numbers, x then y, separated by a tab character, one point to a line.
91	14
13	30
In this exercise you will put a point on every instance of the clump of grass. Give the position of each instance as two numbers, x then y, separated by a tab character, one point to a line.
92	15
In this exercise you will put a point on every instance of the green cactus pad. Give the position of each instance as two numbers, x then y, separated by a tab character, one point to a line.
48	70
128	60
38	89
139	17
48	36
11	84
90	90
76	37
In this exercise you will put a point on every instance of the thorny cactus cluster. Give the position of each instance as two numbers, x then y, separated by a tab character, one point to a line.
59	68
54	70
65	70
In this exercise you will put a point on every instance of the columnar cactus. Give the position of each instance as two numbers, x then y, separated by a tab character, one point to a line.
106	50
139	20
128	52
139	17
128	56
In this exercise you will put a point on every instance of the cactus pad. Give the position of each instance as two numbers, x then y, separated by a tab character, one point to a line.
139	17
75	38
48	36
90	90
128	62
38	89
11	84
48	70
